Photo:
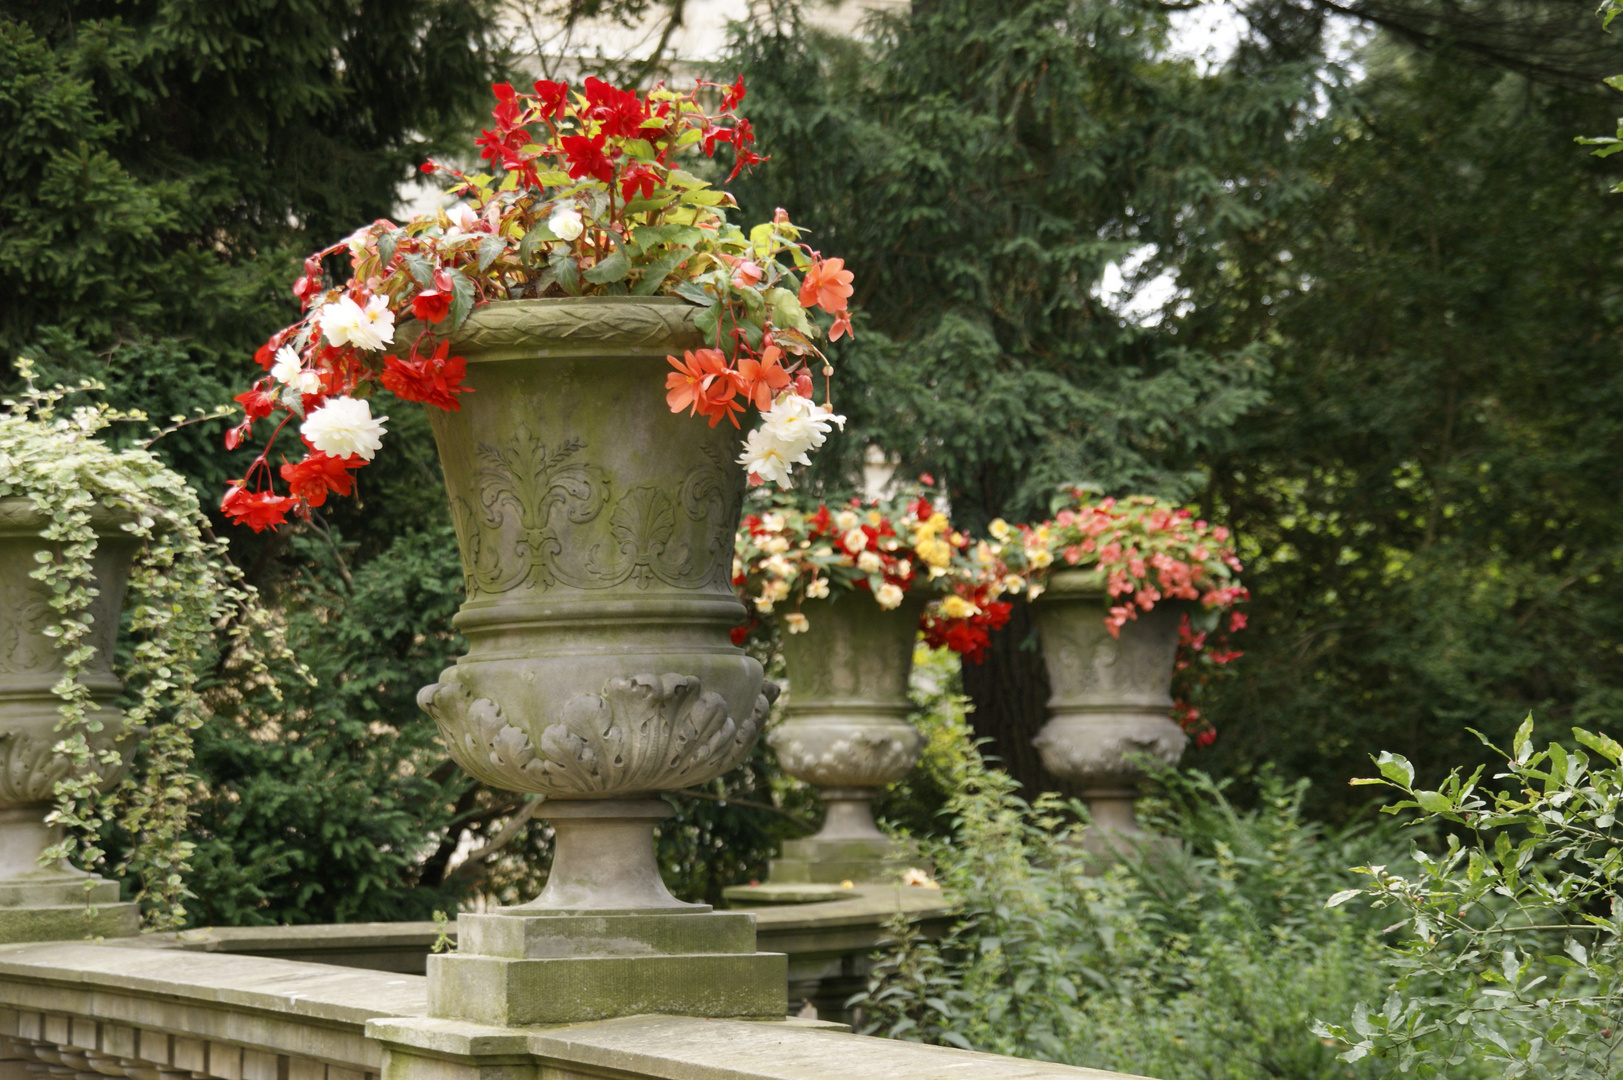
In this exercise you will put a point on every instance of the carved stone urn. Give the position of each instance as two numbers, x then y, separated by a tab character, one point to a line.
56	902
1111	699
596	533
845	730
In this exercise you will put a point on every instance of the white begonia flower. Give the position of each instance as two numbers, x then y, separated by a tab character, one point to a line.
565	223
463	223
778	590
845	520
903	568
796	623
818	589
344	426
289	371
780	567
888	595
775	545
799	425
772	523
854	541
765	459
763	604
869	563
347	323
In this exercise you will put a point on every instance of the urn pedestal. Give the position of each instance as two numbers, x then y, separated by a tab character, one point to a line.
1111	701
54	902
596	532
845	730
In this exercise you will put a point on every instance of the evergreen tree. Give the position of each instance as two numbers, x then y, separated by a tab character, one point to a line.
979	167
1428	503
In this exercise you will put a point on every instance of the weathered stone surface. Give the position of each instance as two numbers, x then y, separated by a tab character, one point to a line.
511	933
1111	696
829	861
144	1008
845	729
689	1048
561	990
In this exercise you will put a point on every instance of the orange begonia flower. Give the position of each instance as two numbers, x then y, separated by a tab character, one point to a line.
827	285
763	378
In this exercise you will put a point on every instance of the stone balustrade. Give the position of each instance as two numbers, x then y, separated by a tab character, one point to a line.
155	1009
829	942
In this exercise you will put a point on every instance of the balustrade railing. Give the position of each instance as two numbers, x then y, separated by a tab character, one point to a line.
154	1009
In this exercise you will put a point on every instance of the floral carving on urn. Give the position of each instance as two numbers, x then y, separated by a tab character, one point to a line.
1111	696
595	529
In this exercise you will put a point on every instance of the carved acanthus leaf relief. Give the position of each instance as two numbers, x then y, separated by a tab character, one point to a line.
1107	752
846	756
30	767
538	505
644	733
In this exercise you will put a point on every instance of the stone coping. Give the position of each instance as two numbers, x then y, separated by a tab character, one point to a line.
689	1048
357	1018
864	905
291	988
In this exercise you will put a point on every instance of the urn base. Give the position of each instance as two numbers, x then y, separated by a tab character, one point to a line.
51	905
517	967
829	862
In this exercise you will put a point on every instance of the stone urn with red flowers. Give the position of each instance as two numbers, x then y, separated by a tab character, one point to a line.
589	333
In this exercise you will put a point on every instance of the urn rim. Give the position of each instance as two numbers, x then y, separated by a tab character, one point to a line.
572	327
19	518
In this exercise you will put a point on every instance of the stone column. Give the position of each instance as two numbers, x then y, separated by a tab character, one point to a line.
845	730
1111	700
54	902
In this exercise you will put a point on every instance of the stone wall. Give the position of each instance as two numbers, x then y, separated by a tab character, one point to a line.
152	1009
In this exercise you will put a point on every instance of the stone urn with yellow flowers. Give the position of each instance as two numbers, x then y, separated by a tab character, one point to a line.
847	588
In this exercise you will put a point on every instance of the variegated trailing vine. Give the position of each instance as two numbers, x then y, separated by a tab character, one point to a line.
186	600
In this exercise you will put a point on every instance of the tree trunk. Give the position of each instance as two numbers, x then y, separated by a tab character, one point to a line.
1010	692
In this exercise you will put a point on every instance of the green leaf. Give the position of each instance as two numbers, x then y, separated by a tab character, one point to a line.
386	245
1434	802
641	149
1606	747
786	310
709	320
1522	744
700	197
658	270
1396	768
613	268
694	293
641	205
489	248
681	178
1558	768
1337	899
462	294
421	269
567	271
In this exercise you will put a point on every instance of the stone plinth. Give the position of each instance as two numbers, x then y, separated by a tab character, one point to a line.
513	968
